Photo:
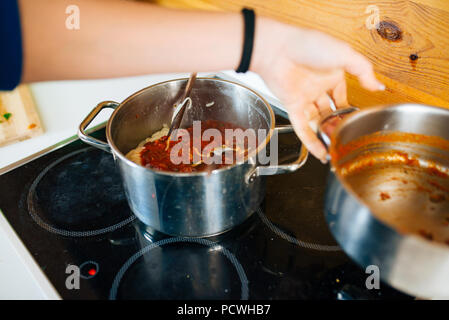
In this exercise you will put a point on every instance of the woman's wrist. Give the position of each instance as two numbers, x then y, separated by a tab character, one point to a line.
267	44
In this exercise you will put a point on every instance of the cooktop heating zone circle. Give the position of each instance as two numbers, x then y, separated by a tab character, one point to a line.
79	195
169	269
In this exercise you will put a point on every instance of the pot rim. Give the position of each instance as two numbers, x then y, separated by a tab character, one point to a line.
356	115
369	110
122	157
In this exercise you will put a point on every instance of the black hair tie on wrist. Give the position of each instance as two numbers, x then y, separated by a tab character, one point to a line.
248	41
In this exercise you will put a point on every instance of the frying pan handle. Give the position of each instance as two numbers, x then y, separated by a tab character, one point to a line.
326	124
91	116
281	168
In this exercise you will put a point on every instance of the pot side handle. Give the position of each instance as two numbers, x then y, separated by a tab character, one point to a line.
91	116
281	168
328	124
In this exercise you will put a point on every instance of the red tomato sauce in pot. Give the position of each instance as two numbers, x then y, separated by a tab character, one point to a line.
156	154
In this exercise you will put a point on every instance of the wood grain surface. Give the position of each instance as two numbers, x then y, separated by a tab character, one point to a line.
409	47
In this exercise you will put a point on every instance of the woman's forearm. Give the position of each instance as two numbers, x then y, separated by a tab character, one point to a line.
121	38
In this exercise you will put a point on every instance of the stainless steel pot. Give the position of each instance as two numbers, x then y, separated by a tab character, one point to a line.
378	230
190	204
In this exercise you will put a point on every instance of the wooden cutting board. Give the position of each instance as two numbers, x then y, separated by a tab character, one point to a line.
19	119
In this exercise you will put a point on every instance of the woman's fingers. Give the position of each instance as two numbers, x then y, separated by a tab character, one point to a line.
305	132
323	104
359	66
331	85
312	113
339	95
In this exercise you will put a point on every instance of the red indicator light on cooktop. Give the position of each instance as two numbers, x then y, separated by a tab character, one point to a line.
92	272
89	269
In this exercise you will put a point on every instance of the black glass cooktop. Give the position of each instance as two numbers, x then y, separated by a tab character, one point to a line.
68	208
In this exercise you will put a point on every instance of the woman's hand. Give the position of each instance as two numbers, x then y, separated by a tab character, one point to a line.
304	68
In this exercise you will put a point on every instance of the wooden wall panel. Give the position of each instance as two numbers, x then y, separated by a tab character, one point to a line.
412	56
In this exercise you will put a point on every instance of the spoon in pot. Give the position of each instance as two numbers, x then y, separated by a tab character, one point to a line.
176	121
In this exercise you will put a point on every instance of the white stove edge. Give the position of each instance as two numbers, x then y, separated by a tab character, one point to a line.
20	276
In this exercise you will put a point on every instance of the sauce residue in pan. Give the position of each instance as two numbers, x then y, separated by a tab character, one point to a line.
339	151
407	191
373	158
